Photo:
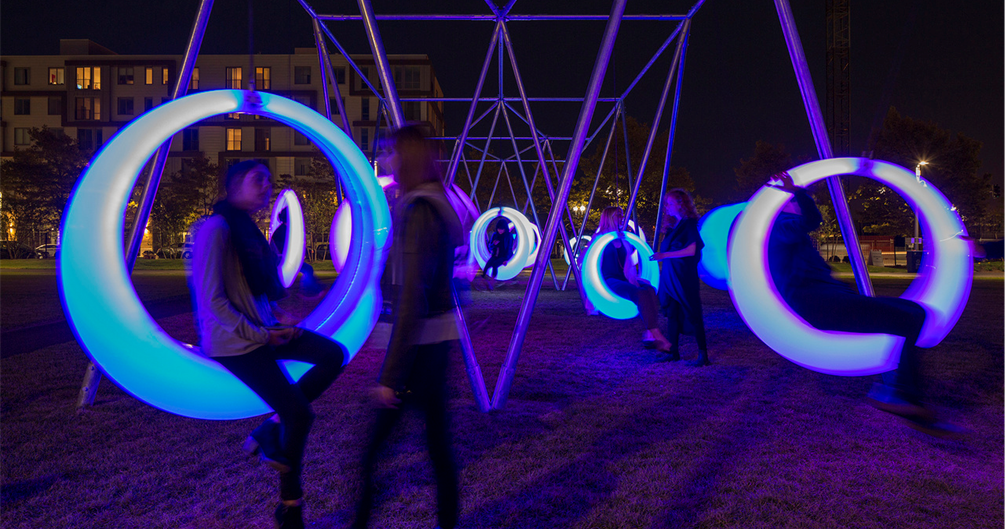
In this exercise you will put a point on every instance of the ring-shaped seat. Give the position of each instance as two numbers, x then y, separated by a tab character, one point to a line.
941	287
522	245
104	310
292	253
598	293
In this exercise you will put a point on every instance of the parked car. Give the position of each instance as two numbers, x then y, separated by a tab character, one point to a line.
322	252
47	251
182	250
147	254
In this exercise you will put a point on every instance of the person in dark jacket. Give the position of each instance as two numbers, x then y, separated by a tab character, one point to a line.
805	281
501	247
681	249
235	284
620	275
426	233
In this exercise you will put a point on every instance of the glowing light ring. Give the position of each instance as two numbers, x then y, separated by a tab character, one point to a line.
102	306
584	240
597	290
942	286
536	238
522	246
714	229
293	249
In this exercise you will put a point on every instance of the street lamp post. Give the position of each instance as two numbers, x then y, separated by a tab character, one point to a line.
916	210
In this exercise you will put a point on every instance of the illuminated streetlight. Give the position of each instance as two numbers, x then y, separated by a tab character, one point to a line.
916	212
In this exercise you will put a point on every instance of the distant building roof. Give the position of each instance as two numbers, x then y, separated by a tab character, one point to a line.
82	47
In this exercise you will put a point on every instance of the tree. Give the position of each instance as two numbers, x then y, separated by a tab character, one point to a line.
37	183
952	161
317	193
753	172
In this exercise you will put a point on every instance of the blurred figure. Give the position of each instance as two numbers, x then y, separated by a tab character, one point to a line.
680	251
426	233
619	273
235	284
805	281
501	248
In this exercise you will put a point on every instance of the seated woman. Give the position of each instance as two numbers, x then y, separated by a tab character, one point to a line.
501	247
805	281
680	251
619	273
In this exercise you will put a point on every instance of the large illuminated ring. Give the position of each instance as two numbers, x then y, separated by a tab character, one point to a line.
477	241
536	239
941	287
597	290
292	256
102	306
585	240
714	229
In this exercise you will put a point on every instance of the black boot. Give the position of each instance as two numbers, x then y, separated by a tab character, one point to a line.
289	516
701	360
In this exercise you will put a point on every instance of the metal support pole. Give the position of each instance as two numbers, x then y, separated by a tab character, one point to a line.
92	377
630	208
325	63
381	63
482	159
671	137
817	123
507	371
471	364
453	166
495	184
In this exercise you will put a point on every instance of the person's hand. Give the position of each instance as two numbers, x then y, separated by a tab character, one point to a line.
384	397
783	181
283	336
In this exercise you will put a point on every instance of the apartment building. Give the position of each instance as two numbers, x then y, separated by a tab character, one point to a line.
90	92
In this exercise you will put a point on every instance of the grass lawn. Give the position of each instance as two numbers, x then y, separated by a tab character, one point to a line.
597	433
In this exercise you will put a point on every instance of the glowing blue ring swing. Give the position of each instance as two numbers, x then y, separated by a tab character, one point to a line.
598	293
477	243
292	253
104	310
941	288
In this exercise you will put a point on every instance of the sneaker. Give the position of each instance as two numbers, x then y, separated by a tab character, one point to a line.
891	400
289	516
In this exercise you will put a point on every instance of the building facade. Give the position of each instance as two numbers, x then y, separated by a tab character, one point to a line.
89	93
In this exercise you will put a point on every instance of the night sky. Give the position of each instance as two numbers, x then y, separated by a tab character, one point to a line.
941	61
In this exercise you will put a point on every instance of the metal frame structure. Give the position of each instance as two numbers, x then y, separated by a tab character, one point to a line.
558	182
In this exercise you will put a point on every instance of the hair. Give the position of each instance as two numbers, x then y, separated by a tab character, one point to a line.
417	155
236	173
502	224
611	220
683	200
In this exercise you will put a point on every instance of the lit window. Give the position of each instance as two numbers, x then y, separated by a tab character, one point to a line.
88	108
233	78
302	75
194	82
22	76
234	139
125	106
126	75
55	106
56	76
22	106
262	78
262	139
89	78
164	75
21	137
148	75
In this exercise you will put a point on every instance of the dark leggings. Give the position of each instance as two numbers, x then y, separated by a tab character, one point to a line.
644	296
260	371
848	311
428	391
494	264
676	315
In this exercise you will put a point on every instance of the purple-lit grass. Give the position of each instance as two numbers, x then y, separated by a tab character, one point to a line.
597	433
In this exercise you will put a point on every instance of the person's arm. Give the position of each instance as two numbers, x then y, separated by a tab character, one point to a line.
208	276
419	255
688	251
629	269
810	215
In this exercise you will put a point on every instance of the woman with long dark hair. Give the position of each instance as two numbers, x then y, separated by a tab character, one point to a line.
679	252
620	274
235	284
501	247
426	233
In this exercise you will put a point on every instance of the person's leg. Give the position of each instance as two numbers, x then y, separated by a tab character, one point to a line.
383	424
433	396
327	357
260	371
675	314
697	322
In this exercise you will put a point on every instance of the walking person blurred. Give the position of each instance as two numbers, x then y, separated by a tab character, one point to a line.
679	252
235	284
414	372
